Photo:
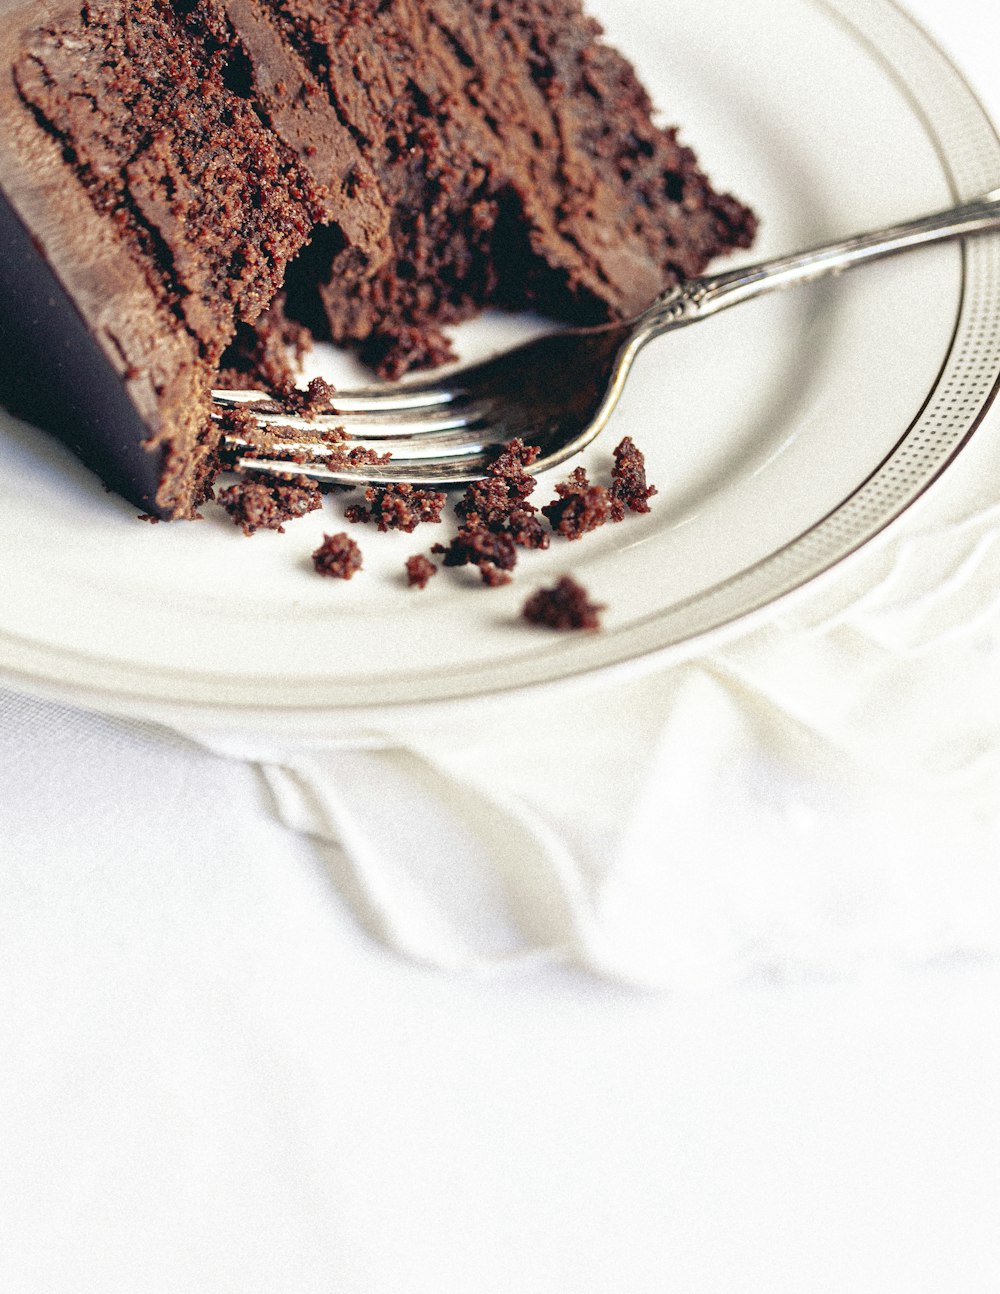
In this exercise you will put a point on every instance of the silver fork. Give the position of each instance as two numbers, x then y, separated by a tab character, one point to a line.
557	392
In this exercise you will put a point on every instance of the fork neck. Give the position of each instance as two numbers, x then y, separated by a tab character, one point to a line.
698	298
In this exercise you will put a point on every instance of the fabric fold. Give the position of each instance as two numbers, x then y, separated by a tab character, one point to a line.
818	793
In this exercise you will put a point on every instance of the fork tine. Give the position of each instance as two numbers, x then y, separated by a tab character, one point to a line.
360	427
446	444
439	469
368	401
389	417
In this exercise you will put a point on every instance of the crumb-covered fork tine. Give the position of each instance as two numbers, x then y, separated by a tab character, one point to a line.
365	426
438	470
369	402
558	392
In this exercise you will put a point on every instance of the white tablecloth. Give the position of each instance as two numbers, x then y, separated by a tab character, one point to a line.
215	1076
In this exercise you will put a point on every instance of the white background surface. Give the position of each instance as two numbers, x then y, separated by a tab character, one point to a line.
211	1080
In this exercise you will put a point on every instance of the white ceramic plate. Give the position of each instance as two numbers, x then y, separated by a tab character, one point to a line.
782	436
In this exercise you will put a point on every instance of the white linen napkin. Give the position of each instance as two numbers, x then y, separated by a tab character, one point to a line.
820	792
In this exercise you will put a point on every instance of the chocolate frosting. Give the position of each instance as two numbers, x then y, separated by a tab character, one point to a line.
169	167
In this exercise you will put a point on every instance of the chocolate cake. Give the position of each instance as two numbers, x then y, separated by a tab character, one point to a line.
184	181
420	570
338	557
566	605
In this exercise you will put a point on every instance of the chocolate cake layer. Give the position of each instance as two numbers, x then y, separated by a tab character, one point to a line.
174	173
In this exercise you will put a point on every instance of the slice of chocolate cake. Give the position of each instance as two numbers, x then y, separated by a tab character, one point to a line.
176	175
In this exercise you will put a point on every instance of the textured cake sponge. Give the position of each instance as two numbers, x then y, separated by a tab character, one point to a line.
172	174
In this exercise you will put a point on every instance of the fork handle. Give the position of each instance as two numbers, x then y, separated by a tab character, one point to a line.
700	297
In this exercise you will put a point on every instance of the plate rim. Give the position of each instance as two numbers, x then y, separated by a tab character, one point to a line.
100	683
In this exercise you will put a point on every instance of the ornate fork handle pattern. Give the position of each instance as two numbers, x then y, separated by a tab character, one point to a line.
698	298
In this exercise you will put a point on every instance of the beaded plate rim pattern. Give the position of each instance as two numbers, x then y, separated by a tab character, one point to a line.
968	149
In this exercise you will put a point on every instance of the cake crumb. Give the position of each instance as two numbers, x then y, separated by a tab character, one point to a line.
316	398
397	507
494	577
524	527
404	348
505	488
338	556
265	354
629	488
259	502
493	552
579	506
565	606
419	571
237	421
364	456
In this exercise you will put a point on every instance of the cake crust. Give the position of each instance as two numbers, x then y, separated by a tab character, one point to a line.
176	174
87	353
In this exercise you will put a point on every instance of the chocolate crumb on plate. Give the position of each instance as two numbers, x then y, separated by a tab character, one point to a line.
261	502
397	507
493	552
419	571
566	605
338	556
499	500
525	528
494	577
579	506
628	481
505	488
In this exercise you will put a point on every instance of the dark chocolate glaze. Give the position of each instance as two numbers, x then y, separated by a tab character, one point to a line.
53	373
171	172
86	349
